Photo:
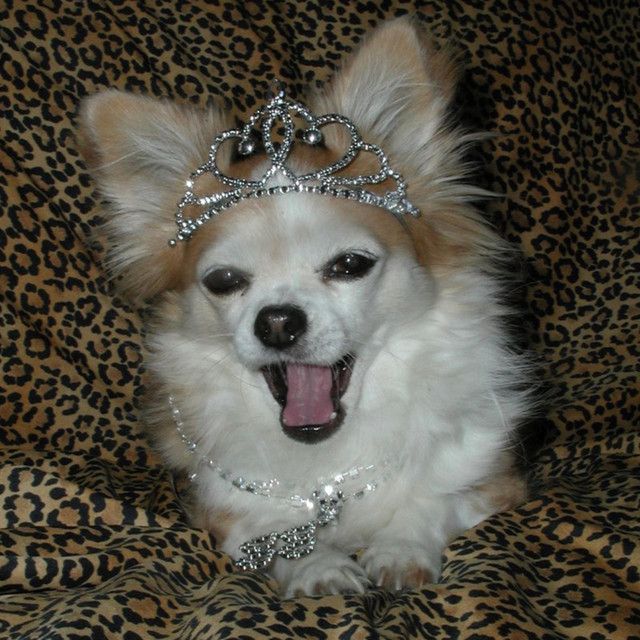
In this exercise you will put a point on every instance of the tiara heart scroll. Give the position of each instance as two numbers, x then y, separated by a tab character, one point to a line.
279	178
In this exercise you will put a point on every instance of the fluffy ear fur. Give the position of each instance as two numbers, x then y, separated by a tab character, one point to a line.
397	88
141	151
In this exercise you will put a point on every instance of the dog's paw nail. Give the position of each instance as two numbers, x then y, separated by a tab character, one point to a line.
399	566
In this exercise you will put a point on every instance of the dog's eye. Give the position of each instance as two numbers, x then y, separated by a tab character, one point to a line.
349	266
224	281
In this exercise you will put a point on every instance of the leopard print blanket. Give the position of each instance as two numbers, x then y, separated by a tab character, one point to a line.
94	543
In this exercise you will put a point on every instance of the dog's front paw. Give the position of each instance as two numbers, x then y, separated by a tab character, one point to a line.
399	564
325	571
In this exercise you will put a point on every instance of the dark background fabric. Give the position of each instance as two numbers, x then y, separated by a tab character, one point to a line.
93	541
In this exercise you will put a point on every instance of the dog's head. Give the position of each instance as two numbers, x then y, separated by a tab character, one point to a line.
295	294
301	287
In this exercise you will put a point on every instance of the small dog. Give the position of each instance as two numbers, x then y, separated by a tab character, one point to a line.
328	362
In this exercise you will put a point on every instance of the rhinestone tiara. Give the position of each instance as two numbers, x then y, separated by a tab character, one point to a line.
279	179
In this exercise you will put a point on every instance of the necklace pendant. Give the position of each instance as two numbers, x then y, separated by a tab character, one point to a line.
291	544
297	542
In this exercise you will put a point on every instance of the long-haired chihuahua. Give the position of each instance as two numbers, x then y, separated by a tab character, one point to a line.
328	361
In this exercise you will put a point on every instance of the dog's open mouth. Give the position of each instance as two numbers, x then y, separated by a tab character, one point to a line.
310	396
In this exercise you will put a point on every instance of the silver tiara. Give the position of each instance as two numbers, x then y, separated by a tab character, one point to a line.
276	115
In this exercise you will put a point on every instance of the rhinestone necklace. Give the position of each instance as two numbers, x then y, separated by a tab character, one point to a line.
325	502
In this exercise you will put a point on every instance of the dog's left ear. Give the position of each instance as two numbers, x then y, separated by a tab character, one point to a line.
396	88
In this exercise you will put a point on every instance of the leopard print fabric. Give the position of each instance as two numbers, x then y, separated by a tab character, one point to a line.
94	543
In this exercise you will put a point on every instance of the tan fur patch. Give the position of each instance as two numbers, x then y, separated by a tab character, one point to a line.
506	491
218	521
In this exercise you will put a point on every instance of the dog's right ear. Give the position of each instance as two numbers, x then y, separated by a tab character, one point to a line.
140	152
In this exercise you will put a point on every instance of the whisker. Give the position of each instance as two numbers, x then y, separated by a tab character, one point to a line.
383	350
246	382
218	362
106	165
214	363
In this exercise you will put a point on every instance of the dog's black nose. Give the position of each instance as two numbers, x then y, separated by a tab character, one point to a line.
280	326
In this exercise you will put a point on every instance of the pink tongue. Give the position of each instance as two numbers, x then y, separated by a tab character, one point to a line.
308	395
